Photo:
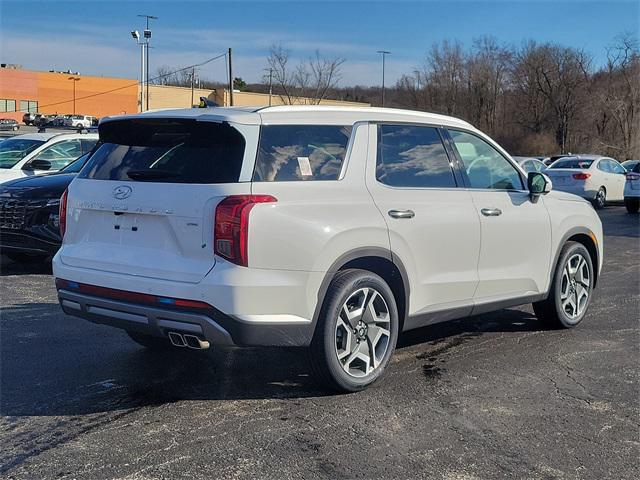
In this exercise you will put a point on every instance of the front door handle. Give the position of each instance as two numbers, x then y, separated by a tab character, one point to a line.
491	212
401	213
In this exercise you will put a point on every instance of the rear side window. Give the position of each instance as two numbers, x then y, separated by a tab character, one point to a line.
301	152
412	156
167	151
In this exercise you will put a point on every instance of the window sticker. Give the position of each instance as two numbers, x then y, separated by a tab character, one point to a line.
305	166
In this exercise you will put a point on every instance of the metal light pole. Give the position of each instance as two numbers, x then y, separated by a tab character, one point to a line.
384	53
136	36
74	80
145	47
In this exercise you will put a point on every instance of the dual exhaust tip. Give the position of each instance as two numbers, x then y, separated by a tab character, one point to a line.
189	341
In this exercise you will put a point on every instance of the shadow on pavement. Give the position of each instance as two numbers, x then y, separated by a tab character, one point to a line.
79	368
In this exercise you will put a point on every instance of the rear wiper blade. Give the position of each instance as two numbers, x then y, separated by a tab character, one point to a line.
151	174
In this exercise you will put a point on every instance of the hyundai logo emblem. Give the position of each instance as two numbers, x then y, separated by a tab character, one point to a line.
122	192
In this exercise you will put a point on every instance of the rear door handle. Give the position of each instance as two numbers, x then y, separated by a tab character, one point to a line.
491	212
401	213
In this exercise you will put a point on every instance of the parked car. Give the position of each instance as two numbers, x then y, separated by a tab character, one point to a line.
9	124
595	178
29	118
530	164
29	213
42	120
61	120
632	189
38	153
327	227
630	164
79	121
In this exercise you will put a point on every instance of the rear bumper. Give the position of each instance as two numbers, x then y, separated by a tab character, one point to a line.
142	318
240	306
580	190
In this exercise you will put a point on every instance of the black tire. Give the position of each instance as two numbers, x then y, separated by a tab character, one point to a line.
23	257
601	199
149	341
632	204
323	351
551	311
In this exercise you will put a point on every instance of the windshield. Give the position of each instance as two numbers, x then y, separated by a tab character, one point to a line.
13	150
572	163
167	151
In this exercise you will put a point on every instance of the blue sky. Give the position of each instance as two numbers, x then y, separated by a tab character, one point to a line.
93	36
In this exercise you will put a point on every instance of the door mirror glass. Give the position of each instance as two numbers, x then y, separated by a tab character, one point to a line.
538	183
39	164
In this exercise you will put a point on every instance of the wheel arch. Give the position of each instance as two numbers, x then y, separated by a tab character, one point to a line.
585	237
376	260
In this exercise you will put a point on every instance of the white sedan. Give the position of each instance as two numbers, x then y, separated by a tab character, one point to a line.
596	178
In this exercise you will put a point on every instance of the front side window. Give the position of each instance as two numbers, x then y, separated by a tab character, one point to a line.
301	152
412	156
485	167
61	154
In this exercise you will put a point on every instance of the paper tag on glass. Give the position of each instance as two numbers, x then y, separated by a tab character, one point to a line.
305	166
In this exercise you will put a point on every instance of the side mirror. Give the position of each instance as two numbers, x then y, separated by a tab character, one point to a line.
37	164
538	184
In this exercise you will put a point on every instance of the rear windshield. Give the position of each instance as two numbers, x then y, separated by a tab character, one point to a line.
572	163
167	151
13	150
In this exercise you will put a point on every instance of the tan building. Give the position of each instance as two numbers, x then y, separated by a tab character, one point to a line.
165	96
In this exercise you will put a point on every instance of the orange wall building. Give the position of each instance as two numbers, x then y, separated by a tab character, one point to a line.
47	92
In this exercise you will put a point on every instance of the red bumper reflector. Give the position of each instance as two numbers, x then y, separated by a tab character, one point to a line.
62	284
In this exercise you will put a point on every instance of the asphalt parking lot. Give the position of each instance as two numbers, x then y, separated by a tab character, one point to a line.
493	396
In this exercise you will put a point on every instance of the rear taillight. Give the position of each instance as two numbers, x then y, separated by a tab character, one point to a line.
63	213
231	229
581	176
633	177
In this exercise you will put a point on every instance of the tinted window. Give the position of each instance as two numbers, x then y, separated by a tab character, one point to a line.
572	163
636	168
412	156
616	167
13	150
484	165
301	152
167	151
61	154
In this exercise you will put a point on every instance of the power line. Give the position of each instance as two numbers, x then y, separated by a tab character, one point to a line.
132	84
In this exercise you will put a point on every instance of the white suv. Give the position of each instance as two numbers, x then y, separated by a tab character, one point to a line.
326	227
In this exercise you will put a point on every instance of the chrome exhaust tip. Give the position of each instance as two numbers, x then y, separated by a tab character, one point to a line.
177	340
196	343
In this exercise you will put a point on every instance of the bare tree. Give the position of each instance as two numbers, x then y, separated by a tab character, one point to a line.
310	79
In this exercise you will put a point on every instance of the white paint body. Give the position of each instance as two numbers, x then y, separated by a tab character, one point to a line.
454	257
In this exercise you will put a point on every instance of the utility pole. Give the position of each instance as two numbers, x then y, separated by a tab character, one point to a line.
193	74
384	54
230	79
270	84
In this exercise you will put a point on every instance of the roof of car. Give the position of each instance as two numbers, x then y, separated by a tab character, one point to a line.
301	113
46	136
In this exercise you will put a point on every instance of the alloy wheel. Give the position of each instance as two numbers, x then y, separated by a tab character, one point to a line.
362	333
575	285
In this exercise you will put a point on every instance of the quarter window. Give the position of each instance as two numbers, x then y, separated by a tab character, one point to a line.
301	152
412	156
484	166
